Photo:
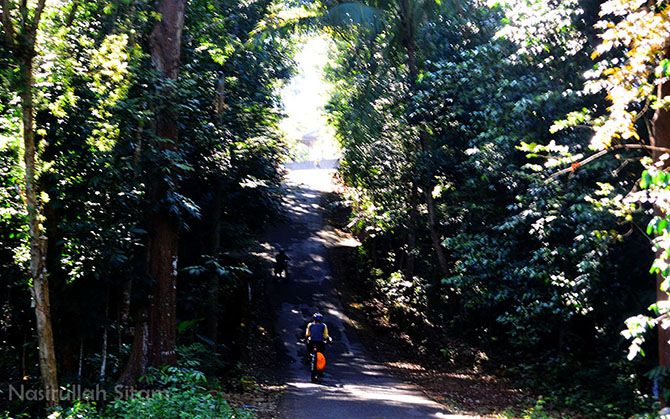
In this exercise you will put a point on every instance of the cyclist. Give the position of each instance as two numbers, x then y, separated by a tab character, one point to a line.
281	264
317	334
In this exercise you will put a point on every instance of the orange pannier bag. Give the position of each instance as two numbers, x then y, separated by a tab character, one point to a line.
320	362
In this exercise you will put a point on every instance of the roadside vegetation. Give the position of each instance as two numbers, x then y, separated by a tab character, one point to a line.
494	158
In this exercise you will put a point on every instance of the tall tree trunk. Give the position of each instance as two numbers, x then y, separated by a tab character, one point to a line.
38	242
80	358
434	235
155	340
124	311
24	369
163	244
661	138
164	239
22	44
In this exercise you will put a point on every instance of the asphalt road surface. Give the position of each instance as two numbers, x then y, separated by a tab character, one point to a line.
354	386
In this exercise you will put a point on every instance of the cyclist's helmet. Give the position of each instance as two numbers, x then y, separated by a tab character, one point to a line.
317	317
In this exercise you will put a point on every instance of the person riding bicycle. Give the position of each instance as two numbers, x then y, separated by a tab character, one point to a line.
281	264
317	334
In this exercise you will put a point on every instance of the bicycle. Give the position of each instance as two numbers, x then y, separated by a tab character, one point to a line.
317	361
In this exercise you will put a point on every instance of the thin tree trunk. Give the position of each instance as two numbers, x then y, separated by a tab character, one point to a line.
38	242
434	235
661	138
213	283
124	311
411	231
103	354
138	361
213	287
24	370
409	29
80	367
22	45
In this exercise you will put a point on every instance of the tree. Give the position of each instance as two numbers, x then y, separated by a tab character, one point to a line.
155	341
163	238
106	157
411	14
406	18
637	34
661	138
21	36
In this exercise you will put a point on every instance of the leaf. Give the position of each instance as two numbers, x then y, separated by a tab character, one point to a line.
194	270
663	68
183	326
645	181
184	167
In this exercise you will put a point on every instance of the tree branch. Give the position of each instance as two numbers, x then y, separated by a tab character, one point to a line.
23	11
645	108
8	25
573	168
644	233
71	14
37	16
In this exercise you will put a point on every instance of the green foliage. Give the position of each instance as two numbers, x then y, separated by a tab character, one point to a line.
536	412
450	113
540	270
78	410
172	393
182	394
97	97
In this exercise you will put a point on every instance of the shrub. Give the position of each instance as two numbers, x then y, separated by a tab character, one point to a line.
172	392
180	393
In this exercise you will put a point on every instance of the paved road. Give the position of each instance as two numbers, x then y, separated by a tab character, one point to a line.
354	386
